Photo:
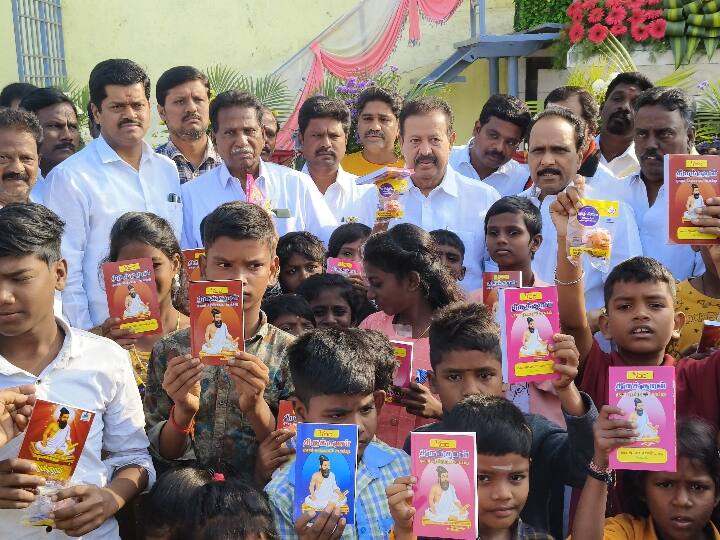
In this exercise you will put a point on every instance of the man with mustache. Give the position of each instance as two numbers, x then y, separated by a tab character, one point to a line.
323	127
377	127
555	149
183	97
271	127
617	151
61	135
290	196
116	173
440	197
20	138
497	134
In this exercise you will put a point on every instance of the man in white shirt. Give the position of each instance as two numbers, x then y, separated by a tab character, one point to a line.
290	196
323	125
556	140
72	368
440	197
20	138
116	173
663	125
617	150
497	134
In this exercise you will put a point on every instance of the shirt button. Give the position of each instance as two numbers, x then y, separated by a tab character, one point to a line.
363	530
39	381
394	422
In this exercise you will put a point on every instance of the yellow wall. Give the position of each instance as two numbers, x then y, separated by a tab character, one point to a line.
8	60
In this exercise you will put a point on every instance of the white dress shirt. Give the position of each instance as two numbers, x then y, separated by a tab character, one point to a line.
652	221
623	165
510	178
92	373
348	201
458	204
626	244
37	193
285	188
90	190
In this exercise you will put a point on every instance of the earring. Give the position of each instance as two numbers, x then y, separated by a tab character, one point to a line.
176	283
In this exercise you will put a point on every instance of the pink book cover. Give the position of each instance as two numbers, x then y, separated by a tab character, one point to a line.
528	319
647	396
445	497
344	267
402	376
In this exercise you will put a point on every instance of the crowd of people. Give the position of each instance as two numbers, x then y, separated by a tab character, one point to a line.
182	450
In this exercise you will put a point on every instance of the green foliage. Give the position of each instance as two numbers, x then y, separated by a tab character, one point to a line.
707	119
531	13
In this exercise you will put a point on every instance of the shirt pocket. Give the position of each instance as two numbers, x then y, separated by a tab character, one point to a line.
174	214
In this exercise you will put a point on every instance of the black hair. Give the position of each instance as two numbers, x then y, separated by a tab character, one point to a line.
234	98
375	93
240	221
445	237
517	205
117	71
64	410
172	500
570	117
631	78
269	110
302	243
283	304
697	442
638	270
507	108
499	425
45	97
672	99
463	327
407	248
13	91
215	311
21	120
30	229
589	105
155	231
175	76
425	105
323	107
231	509
311	288
93	126
346	233
333	361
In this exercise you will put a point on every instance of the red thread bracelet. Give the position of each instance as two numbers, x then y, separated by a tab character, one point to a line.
190	430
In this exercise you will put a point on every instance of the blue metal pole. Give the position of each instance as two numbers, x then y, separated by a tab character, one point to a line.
513	86
494	75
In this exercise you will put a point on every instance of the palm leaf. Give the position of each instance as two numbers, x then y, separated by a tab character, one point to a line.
425	89
223	78
681	78
272	92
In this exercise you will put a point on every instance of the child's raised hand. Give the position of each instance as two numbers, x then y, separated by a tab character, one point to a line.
111	330
418	400
251	376
327	525
566	204
181	382
399	496
611	433
272	454
567	360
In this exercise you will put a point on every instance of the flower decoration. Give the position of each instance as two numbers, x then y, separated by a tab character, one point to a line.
598	33
576	33
639	32
596	15
616	16
656	29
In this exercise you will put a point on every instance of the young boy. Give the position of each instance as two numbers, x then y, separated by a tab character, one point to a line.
466	360
504	470
340	377
301	255
220	427
67	366
451	250
291	313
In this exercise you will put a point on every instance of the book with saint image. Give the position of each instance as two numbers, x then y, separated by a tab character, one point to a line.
192	263
216	320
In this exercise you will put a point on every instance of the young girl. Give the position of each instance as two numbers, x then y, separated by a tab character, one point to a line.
332	300
670	506
346	241
138	235
409	283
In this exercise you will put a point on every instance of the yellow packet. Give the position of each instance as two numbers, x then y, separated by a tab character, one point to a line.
592	231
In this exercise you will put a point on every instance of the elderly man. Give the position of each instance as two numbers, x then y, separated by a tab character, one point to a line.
20	137
497	134
271	126
116	173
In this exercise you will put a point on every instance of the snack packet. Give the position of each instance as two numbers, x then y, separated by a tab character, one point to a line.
592	231
391	183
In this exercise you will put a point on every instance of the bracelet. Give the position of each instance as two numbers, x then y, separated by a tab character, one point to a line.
603	474
190	430
574	282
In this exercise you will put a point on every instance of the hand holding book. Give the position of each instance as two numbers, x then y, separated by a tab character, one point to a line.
251	376
15	409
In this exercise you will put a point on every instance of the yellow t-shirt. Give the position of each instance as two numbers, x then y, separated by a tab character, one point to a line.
697	308
357	164
627	527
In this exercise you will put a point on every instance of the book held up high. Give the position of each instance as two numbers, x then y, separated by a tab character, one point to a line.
216	320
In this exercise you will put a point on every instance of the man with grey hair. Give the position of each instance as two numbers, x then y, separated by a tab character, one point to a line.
20	138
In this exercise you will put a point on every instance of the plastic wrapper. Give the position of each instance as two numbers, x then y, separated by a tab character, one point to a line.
38	513
391	183
592	232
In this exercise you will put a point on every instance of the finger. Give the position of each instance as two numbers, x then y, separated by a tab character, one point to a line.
190	385
251	378
339	529
16	495
607	410
249	367
68	512
72	491
282	453
17	465
17	480
173	382
177	360
302	522
565	371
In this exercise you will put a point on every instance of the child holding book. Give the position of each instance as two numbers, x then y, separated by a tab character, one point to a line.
138	235
347	240
668	505
291	313
220	426
503	470
341	377
466	360
451	250
301	255
66	366
409	284
332	299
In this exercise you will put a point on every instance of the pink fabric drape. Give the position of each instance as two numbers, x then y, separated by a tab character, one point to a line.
371	60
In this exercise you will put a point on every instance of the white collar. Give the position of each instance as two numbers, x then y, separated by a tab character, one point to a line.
108	155
60	361
344	180
448	184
